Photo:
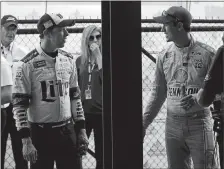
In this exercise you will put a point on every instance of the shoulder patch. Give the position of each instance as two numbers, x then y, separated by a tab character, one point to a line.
206	47
65	53
30	56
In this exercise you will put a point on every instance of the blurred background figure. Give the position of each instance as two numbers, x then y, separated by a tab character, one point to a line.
213	92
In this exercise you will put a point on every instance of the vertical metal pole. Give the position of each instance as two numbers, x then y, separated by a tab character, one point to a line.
122	84
222	114
46	6
220	139
107	81
0	39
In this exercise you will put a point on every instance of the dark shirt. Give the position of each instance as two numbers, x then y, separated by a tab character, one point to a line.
214	80
94	105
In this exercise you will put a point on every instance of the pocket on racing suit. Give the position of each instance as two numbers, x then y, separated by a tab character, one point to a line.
68	132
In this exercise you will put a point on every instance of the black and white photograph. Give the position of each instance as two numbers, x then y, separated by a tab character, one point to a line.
112	84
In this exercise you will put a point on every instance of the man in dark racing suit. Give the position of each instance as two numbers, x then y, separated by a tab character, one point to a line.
213	91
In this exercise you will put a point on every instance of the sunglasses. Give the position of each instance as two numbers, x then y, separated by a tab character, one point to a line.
165	13
91	38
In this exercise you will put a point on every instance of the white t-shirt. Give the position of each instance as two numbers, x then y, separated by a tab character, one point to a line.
12	55
6	75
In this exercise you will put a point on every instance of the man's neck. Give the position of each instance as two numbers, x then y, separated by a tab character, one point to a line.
47	48
5	44
50	51
184	41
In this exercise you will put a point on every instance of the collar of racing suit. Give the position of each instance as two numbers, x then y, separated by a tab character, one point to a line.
52	54
47	57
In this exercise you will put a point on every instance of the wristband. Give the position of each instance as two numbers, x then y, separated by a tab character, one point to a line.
79	125
24	132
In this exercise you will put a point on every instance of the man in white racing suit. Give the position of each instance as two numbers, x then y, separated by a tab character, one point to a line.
180	71
46	100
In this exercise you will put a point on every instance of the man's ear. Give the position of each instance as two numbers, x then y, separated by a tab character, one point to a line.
180	26
47	33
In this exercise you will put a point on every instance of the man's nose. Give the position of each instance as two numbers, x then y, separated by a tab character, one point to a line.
66	32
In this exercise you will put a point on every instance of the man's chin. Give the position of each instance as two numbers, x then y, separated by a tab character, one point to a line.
168	40
62	45
10	40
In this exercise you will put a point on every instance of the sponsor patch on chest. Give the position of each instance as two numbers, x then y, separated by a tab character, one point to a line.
196	53
198	63
176	91
39	64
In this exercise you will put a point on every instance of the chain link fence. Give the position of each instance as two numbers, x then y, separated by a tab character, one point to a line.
154	152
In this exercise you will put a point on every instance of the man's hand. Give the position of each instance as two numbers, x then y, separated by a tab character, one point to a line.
82	142
97	53
188	101
29	151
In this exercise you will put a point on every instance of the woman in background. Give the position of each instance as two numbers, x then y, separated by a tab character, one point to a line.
89	68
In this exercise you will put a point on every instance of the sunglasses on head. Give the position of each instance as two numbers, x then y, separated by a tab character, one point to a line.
91	38
165	13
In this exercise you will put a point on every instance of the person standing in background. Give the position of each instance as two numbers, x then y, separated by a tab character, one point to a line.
12	53
89	68
6	89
